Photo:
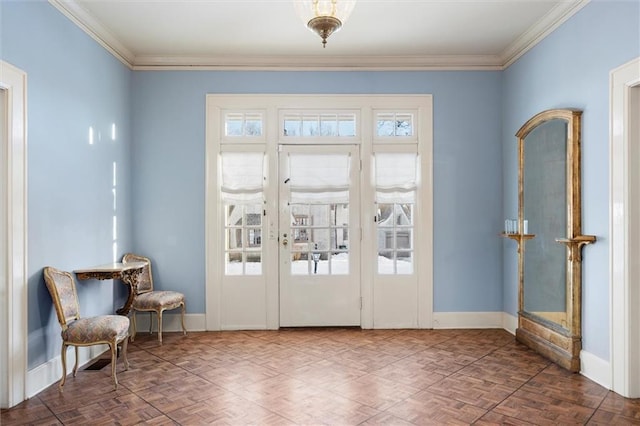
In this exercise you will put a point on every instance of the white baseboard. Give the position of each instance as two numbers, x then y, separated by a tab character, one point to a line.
509	323
592	367
468	320
44	375
170	322
595	369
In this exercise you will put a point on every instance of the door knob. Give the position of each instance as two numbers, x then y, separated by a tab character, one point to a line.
285	242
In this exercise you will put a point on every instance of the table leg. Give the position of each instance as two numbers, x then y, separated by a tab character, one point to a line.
130	278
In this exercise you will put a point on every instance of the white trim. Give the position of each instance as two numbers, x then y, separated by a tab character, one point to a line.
595	369
443	320
212	272
541	29
14	282
509	322
170	322
327	63
50	372
624	226
80	17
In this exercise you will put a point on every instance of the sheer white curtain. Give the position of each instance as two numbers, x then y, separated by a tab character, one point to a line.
319	178
242	177
396	177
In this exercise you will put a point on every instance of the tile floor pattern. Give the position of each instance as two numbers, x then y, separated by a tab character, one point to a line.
333	376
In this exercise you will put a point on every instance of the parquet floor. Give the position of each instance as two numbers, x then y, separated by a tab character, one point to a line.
329	376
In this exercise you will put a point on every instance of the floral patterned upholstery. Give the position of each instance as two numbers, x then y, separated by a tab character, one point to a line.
61	283
148	299
95	329
104	329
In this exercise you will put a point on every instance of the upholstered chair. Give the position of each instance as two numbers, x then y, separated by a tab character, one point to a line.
111	330
150	300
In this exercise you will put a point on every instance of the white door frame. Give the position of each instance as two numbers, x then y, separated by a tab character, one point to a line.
624	229
271	105
13	282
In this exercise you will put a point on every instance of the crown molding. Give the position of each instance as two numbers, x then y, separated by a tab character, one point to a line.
540	30
79	16
309	63
552	20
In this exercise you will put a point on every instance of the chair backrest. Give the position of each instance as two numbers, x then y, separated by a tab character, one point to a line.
62	288
145	281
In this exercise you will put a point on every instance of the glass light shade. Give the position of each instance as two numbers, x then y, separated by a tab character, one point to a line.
324	17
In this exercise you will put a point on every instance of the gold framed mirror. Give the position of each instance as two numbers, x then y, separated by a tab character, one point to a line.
550	236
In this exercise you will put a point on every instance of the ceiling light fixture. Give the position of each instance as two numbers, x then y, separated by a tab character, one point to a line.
324	17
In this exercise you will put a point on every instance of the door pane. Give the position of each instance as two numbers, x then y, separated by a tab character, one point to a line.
233	263
395	238
243	235
253	263
234	238
404	263
320	232
300	263
339	239
386	262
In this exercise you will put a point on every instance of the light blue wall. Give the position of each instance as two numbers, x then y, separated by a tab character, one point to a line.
570	68
169	169
72	84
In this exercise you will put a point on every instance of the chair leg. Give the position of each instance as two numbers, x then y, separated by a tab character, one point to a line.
125	345
75	367
114	357
133	323
159	326
63	357
184	329
150	322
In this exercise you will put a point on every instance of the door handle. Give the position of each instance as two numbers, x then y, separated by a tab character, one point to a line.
285	242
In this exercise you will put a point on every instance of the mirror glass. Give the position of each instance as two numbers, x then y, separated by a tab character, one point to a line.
545	210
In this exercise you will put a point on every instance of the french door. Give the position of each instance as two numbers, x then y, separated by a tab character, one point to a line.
319	235
319	211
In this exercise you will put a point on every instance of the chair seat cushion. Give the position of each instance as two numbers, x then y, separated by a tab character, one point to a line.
154	300
103	328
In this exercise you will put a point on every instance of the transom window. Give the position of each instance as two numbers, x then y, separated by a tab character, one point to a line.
243	124
395	125
314	124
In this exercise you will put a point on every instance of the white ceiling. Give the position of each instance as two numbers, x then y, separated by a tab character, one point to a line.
267	34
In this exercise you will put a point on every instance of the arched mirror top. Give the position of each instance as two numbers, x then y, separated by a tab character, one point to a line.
572	116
